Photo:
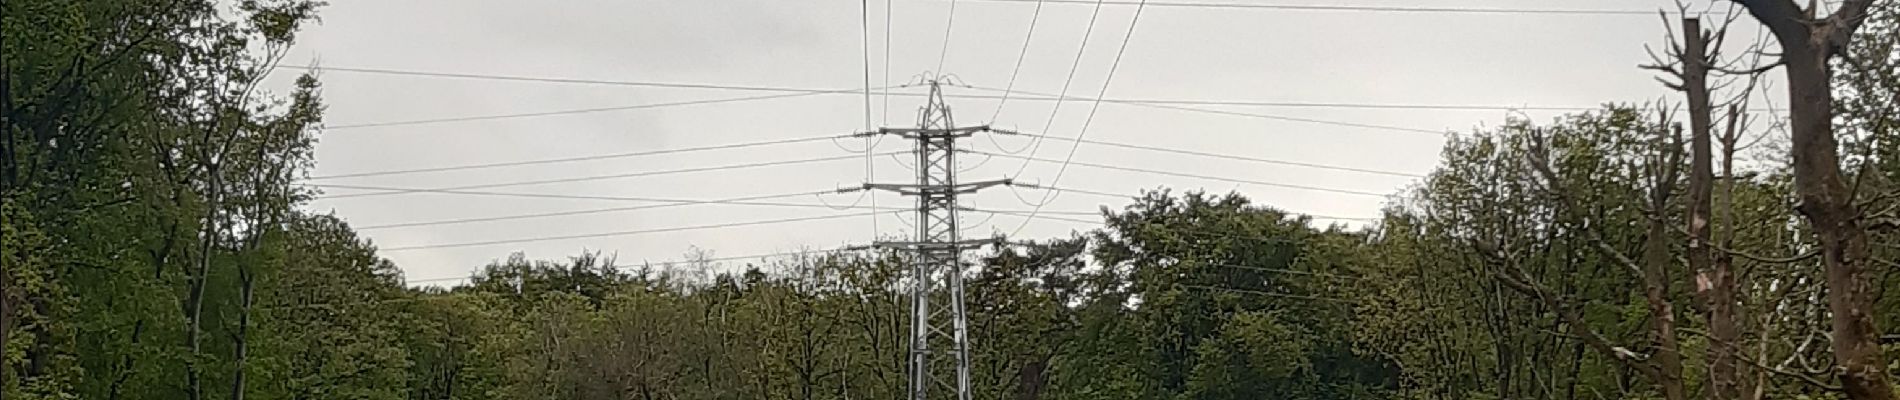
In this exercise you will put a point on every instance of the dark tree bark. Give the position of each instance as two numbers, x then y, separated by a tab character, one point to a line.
1808	43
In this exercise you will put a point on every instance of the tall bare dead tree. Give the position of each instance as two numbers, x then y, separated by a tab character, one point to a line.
1714	282
1808	42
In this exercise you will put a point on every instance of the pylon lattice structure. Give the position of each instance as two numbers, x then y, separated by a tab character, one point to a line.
936	265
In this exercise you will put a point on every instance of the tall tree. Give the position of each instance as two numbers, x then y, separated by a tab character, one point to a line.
1810	43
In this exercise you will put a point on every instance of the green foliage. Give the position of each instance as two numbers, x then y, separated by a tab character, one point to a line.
154	247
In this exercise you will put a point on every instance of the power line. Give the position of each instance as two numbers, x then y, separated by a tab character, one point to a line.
1224	112
870	169
450	296
747	201
1112	67
620	233
602	177
518	78
1307	7
1073	66
581	158
1270	294
482	193
1046	216
714	259
888	6
1285	271
1039	97
1196	176
1020	56
1125	197
950	21
577	111
1297	104
1236	157
886	92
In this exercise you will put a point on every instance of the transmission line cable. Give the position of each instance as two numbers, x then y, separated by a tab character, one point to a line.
603	177
1106	81
1073	66
1312	7
1222	112
714	259
1034	16
580	158
886	92
497	77
870	166
482	193
1285	271
1235	157
888	6
1196	176
950	21
620	233
460	295
1271	294
1011	95
574	111
1127	197
667	203
1040	97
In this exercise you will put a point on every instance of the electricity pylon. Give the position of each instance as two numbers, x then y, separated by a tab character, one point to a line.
937	250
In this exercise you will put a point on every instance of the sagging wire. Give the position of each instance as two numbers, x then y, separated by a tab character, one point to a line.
854	203
900	161
979	164
1019	195
999	145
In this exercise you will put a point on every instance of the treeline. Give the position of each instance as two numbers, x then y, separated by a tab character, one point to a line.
1223	314
156	246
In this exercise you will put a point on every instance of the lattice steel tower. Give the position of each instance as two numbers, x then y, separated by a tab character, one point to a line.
936	266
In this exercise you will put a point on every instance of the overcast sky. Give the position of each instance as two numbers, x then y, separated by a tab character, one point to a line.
1186	53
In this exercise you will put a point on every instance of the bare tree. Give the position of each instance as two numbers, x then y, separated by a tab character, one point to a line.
1715	281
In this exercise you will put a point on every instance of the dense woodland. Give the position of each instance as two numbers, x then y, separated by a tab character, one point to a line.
156	246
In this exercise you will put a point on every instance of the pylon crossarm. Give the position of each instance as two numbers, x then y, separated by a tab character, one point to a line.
965	244
928	133
912	189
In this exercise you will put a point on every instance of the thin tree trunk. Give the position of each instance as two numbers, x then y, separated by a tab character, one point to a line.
247	281
6	314
1714	284
194	310
1662	313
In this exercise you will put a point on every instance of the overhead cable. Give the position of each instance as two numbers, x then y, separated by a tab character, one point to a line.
580	158
1196	176
1236	157
1354	8
667	203
600	177
620	233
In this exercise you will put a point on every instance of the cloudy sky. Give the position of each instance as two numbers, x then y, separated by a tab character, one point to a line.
1175	53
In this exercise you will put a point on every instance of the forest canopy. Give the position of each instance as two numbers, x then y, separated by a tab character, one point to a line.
158	244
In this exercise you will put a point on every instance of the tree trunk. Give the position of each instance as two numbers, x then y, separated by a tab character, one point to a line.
1824	199
1829	208
6	320
1714	284
194	310
245	291
1662	313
